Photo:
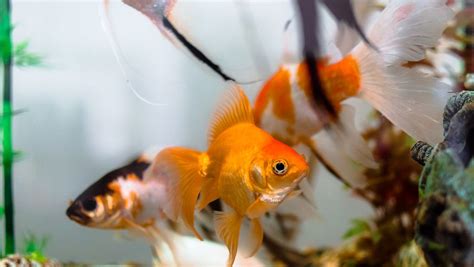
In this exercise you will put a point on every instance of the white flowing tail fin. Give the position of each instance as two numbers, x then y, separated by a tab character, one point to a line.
411	100
406	28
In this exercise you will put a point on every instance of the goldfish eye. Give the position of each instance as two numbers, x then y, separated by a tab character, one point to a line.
89	204
280	167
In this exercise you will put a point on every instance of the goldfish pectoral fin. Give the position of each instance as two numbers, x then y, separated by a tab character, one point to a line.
259	208
208	194
255	237
181	169
234	108
228	229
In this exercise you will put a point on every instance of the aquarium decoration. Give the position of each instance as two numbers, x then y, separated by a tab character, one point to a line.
445	222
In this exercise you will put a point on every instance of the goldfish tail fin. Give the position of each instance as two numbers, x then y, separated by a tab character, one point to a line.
406	28
411	100
182	170
228	230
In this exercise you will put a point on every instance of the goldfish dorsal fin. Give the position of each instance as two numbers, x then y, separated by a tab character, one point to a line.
234	108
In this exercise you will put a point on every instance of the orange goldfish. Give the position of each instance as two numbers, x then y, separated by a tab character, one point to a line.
244	166
411	100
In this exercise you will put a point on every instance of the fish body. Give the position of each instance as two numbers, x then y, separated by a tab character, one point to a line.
283	105
123	200
118	196
244	166
411	100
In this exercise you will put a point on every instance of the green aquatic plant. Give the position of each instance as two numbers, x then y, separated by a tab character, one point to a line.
7	152
34	248
25	58
11	55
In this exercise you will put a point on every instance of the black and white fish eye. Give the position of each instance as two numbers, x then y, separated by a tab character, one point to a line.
280	167
89	204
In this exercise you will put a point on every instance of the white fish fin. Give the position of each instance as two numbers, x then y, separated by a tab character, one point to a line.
299	207
347	38
333	52
308	191
348	137
293	194
166	236
117	50
411	100
156	243
354	145
406	28
339	163
233	108
159	12
155	11
227	226
181	170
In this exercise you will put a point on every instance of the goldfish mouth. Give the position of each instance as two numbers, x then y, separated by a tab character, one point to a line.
77	216
278	195
274	198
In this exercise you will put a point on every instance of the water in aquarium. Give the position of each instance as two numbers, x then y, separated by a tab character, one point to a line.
237	133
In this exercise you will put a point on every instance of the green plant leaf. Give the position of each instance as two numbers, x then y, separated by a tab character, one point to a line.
376	236
2	212
24	58
359	226
436	246
34	247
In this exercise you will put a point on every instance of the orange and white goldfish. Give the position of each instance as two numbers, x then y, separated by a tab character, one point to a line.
123	200
409	99
244	167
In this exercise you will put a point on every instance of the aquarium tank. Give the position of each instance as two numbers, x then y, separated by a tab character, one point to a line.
237	133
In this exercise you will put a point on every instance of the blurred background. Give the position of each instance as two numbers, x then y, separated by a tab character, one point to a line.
83	119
